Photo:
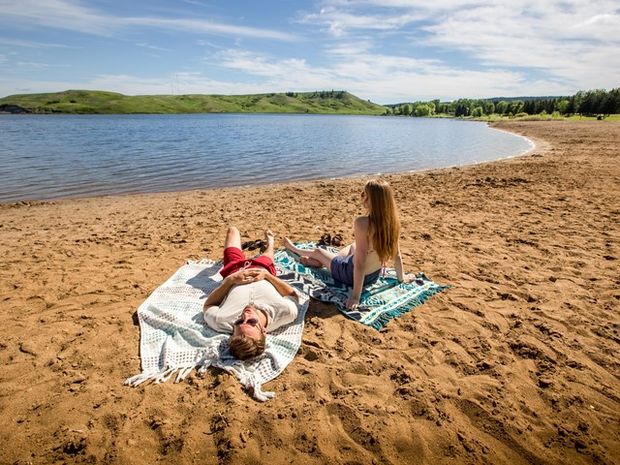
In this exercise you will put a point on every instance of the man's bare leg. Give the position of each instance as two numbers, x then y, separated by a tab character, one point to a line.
233	238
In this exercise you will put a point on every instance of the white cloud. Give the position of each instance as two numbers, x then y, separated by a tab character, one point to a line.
206	27
152	47
339	22
71	15
380	78
178	83
558	42
376	49
60	14
383	78
32	65
573	44
31	44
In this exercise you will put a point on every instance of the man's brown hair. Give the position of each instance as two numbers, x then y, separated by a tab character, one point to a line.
245	347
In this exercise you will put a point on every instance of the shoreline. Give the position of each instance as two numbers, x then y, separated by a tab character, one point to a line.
514	364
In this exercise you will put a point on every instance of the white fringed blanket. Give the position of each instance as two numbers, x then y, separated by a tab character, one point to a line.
175	340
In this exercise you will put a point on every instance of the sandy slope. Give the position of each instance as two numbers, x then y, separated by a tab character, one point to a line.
517	363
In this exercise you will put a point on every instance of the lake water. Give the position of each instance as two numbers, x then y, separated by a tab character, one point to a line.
56	156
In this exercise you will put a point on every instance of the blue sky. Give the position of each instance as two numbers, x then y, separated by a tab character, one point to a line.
387	51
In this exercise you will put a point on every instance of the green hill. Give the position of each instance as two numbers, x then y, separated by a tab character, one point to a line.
92	101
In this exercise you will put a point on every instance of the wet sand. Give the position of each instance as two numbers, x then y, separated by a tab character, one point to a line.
517	363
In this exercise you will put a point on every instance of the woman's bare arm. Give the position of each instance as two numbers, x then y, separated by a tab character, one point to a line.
400	272
398	265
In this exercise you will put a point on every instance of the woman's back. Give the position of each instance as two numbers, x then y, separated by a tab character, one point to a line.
372	261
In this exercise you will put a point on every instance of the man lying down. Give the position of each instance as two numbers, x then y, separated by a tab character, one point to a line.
251	300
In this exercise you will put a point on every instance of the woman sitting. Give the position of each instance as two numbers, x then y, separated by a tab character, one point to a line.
376	242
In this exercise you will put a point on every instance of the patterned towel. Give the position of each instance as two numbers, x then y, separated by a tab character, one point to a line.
381	302
174	338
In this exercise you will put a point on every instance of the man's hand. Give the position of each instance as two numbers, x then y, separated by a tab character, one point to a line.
257	274
284	289
241	277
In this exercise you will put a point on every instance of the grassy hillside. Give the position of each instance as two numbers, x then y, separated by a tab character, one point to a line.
90	101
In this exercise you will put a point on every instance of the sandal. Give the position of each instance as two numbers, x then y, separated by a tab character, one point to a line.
326	239
257	244
337	240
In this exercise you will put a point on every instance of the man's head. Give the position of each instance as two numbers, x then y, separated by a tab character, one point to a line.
248	339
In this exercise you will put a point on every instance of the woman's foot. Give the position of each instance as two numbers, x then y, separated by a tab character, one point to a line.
303	259
289	245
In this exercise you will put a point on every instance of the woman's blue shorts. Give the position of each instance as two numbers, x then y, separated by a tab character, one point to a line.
342	270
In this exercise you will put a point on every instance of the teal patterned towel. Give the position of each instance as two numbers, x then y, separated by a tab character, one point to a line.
381	302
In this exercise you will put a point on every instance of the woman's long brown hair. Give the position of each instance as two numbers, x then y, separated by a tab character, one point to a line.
384	224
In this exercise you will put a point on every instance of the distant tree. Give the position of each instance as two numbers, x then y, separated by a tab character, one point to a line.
598	101
423	109
502	107
516	106
561	106
612	105
461	108
488	107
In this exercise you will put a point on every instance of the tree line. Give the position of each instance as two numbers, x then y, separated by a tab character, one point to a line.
589	103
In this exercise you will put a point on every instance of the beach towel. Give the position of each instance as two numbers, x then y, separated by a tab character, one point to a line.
174	339
381	302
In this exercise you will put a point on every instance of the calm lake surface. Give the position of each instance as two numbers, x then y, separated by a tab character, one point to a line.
56	156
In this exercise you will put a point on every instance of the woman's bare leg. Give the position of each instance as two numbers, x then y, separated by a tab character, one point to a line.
296	250
320	257
311	262
348	250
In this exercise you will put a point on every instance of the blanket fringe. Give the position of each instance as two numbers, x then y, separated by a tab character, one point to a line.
254	386
204	261
384	318
203	361
259	394
156	377
136	380
249	381
159	376
183	373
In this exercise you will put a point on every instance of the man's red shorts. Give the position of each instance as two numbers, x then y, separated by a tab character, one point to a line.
234	260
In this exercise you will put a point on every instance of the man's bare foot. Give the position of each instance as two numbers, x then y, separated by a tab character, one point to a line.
311	262
269	238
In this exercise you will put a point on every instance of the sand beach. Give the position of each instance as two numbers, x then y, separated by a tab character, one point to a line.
517	363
